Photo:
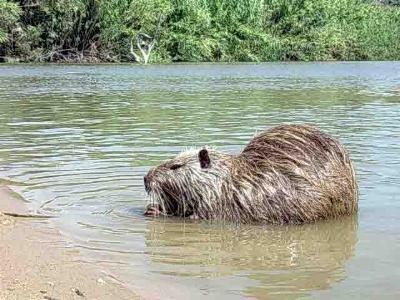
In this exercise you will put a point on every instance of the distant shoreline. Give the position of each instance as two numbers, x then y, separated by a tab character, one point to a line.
199	31
88	63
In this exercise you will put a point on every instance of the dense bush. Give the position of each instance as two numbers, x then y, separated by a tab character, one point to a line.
9	16
201	30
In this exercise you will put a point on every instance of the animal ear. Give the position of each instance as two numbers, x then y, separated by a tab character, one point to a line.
204	159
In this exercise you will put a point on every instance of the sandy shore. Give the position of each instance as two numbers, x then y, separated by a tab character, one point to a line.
35	262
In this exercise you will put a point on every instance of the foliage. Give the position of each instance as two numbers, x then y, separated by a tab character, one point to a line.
9	17
201	30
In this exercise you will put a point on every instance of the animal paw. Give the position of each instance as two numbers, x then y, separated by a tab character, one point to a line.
153	210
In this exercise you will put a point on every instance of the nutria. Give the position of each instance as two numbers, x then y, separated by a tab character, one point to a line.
287	174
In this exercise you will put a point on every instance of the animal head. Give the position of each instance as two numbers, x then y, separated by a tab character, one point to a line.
182	186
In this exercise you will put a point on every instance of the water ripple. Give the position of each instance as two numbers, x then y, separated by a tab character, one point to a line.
77	140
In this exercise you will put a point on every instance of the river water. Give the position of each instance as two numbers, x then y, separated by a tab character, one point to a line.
76	142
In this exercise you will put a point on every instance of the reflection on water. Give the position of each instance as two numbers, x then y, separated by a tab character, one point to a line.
77	140
285	261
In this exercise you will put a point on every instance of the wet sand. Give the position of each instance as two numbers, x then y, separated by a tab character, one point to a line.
36	262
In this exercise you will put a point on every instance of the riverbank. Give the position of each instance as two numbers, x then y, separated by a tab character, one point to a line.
36	262
203	31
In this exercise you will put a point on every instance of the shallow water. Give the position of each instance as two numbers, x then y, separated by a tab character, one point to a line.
77	140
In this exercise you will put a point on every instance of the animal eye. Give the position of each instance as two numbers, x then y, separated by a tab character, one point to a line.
175	166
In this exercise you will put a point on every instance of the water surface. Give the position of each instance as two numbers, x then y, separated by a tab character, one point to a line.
77	140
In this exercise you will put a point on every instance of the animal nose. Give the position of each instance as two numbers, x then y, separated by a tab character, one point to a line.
147	182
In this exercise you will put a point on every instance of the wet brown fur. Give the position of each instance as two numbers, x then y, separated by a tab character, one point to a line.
287	174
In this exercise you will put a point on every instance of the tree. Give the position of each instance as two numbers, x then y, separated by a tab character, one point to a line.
9	17
146	43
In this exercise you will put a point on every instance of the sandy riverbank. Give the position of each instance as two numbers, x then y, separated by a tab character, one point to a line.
36	262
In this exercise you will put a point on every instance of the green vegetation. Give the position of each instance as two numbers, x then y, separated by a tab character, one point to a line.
200	30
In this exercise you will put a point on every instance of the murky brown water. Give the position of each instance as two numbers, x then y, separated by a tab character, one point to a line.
77	140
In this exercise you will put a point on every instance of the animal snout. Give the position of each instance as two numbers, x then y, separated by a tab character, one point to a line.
146	180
